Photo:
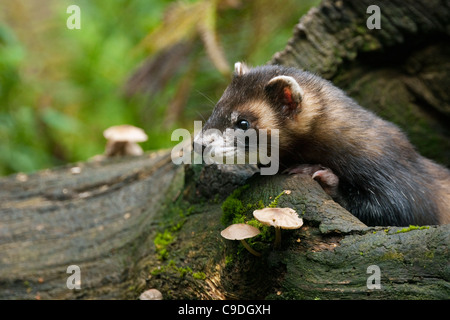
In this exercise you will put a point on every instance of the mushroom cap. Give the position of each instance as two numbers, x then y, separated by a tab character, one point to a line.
125	132
239	231
151	294
284	218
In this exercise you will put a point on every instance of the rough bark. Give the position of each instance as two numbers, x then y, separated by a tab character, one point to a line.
92	216
327	258
106	220
136	223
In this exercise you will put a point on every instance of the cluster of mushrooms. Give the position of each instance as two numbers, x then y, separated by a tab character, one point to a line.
279	218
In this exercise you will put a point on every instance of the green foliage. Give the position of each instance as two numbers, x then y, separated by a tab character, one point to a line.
60	88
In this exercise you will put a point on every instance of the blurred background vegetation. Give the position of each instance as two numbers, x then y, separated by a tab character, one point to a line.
155	64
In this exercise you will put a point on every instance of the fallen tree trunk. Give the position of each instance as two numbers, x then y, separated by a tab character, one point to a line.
111	219
136	223
328	258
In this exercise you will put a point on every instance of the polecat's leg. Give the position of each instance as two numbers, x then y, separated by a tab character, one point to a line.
324	176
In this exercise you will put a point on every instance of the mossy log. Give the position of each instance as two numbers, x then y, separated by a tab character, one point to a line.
106	217
328	258
136	223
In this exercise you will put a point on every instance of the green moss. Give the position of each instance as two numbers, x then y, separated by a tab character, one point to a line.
429	254
183	271
180	271
233	207
274	203
392	256
234	211
411	227
228	260
266	234
177	226
360	29
173	220
162	240
199	275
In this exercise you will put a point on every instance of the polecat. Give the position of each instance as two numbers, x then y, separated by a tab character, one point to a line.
365	163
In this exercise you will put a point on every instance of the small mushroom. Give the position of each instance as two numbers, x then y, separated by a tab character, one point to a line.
280	218
241	231
122	140
151	294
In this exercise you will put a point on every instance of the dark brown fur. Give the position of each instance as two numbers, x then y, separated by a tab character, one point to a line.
382	179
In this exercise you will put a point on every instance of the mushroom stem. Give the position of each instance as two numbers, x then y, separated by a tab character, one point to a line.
250	249
277	243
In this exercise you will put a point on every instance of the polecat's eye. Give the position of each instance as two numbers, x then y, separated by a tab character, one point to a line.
243	124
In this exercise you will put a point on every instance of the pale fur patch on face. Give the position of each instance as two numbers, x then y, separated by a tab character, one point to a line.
261	110
234	116
226	144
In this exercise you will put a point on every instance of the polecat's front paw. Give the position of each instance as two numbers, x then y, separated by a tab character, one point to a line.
328	180
324	176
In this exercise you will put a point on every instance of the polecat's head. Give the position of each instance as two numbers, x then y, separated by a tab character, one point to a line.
268	97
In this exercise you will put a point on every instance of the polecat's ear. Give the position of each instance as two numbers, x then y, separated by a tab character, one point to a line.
240	69
286	91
